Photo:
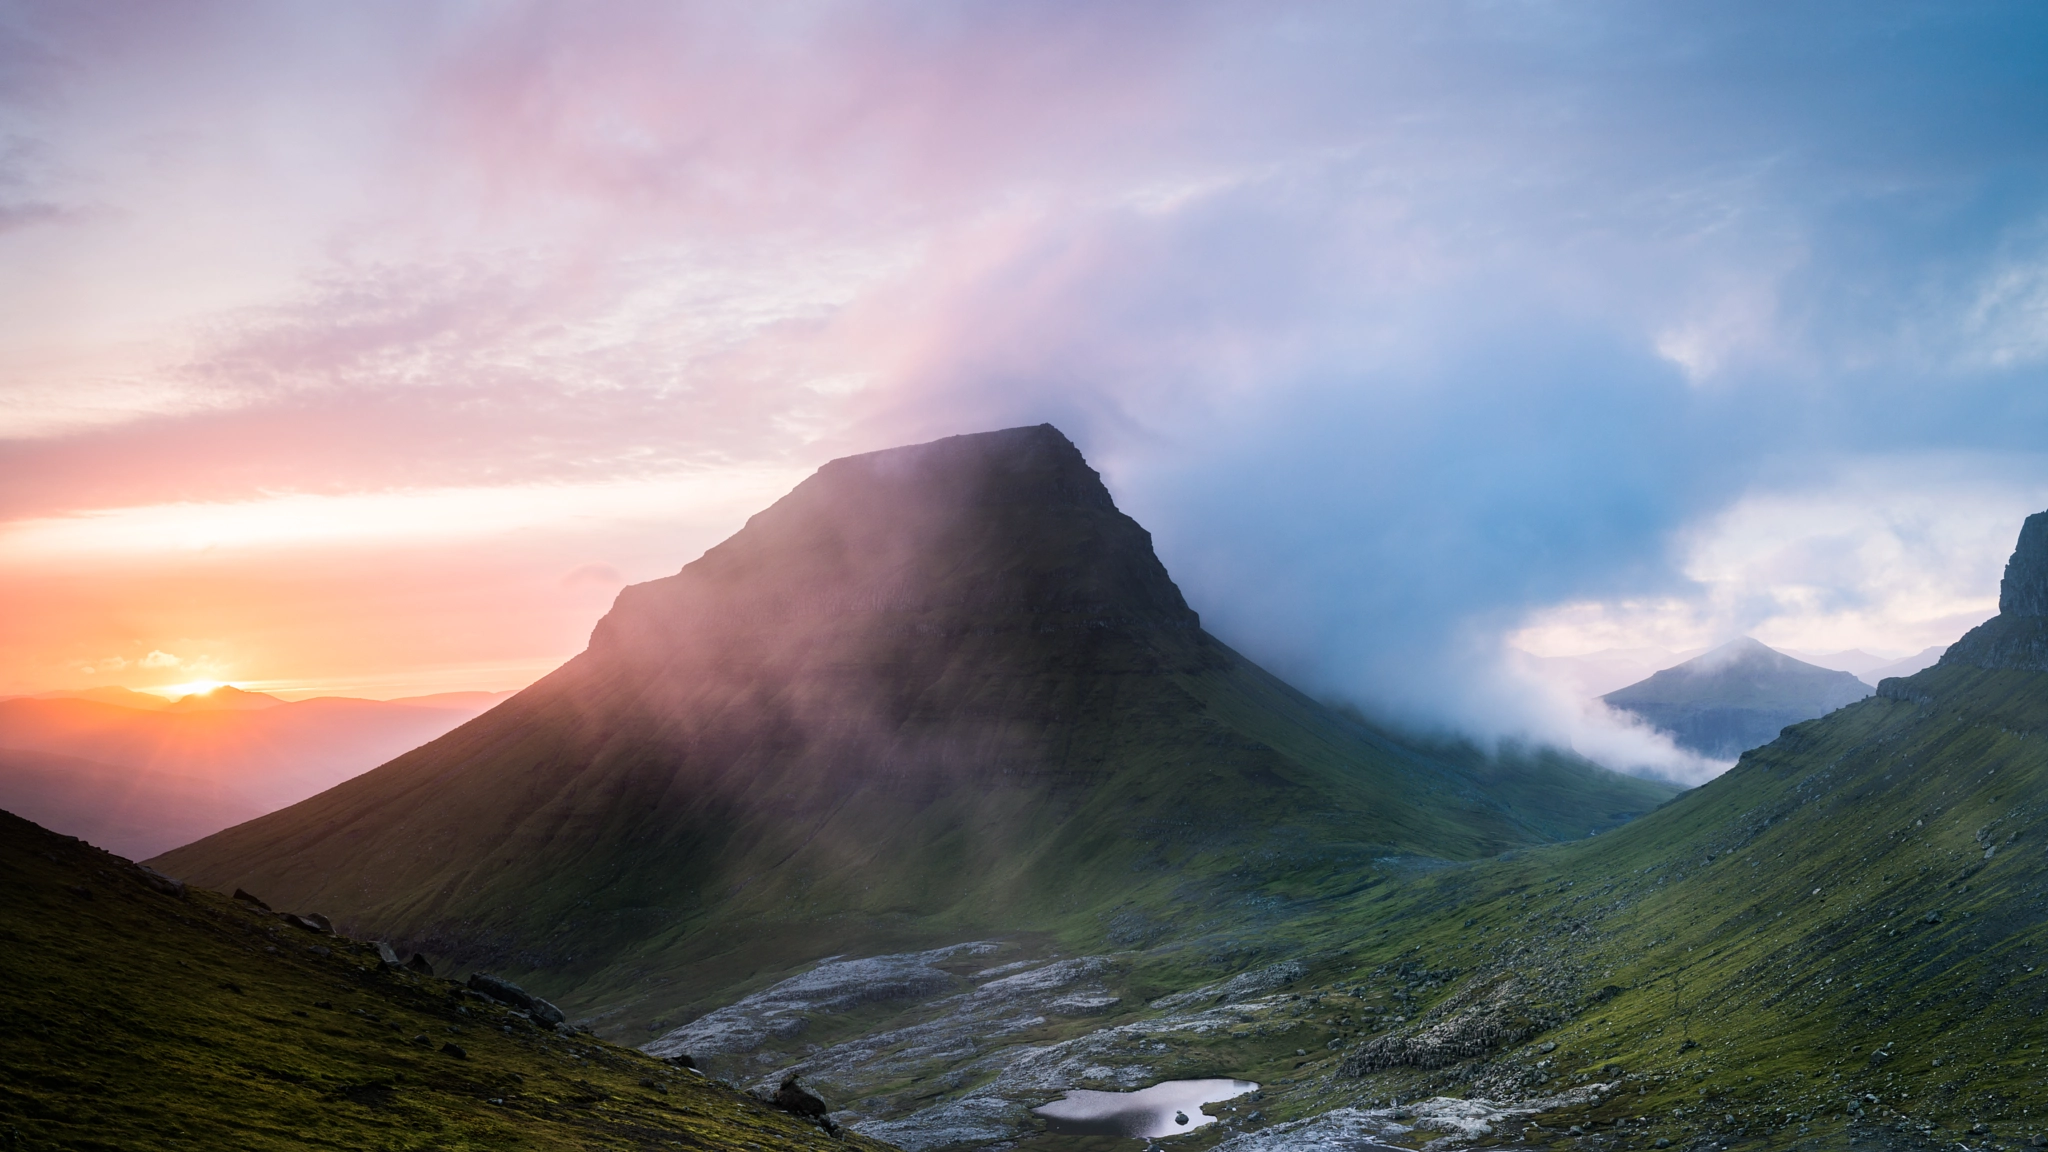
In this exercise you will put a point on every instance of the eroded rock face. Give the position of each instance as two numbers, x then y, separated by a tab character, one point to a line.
1239	988
2024	591
2017	638
783	1011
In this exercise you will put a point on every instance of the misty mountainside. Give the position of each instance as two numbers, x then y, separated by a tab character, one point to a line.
141	776
1925	658
145	1014
932	694
1840	943
1735	697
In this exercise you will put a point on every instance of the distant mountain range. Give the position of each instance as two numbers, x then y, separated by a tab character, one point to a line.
934	691
1736	697
138	774
1595	674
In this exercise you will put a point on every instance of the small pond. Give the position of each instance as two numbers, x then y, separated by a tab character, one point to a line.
1168	1108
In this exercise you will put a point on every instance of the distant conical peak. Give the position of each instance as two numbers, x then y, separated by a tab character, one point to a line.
2024	591
1741	650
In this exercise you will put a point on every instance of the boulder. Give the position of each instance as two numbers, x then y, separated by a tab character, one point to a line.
250	898
506	992
161	882
419	964
793	1099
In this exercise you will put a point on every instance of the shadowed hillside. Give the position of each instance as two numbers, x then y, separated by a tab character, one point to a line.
933	692
142	1015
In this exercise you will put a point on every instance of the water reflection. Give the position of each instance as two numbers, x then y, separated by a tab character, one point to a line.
1165	1109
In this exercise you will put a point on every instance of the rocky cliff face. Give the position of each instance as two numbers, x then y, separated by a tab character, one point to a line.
2024	591
2017	638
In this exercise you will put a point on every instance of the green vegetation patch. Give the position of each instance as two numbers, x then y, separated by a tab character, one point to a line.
142	1017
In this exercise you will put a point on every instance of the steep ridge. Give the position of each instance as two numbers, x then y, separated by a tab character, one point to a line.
2017	638
1736	697
143	1014
933	692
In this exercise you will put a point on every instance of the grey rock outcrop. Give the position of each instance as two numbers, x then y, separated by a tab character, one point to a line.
2024	591
2017	638
506	992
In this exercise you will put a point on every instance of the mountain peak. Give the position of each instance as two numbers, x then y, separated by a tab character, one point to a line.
968	531
2017	638
2024	591
224	698
1735	697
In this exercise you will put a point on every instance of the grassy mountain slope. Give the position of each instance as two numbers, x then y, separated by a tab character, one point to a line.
932	693
1842	942
142	1019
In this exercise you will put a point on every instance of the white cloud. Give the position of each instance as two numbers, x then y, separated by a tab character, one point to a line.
1889	554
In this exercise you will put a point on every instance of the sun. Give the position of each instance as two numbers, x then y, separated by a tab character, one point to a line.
189	688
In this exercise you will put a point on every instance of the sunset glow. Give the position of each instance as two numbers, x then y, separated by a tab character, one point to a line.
190	688
372	349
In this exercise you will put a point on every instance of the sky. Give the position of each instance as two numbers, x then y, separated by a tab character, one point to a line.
372	348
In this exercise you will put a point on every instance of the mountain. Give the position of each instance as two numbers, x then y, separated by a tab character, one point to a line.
145	1014
136	810
99	770
1736	697
933	692
1854	661
108	694
225	698
1925	658
1836	944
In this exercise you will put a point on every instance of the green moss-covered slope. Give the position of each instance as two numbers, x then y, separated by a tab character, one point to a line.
1842	942
141	1019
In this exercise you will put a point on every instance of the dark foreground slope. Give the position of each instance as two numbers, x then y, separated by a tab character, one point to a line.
1736	697
139	1017
933	692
